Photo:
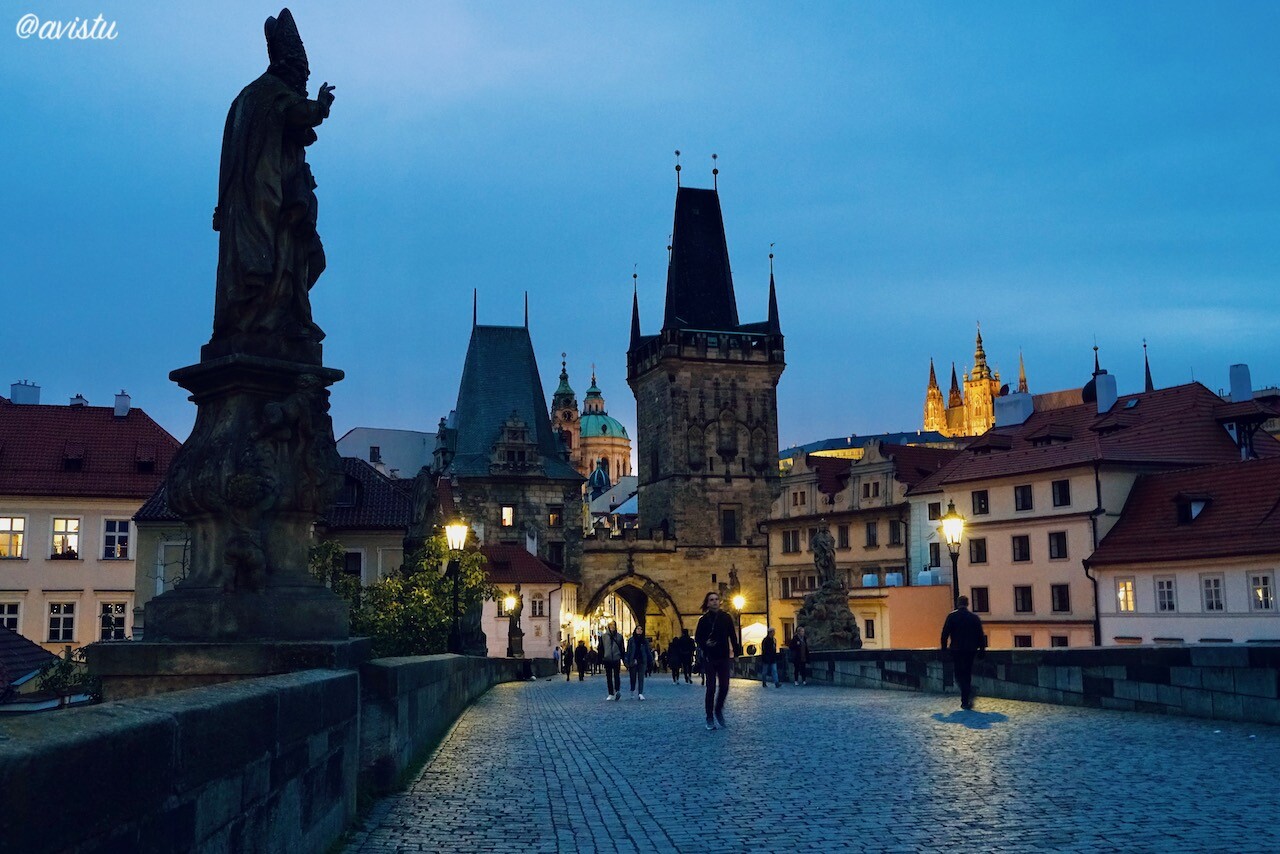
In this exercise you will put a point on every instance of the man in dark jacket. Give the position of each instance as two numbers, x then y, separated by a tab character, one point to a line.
962	634
799	646
769	660
582	658
717	639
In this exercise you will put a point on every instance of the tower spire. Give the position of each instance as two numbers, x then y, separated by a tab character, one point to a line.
635	309
980	369
1022	374
474	302
954	398
775	325
933	377
1146	364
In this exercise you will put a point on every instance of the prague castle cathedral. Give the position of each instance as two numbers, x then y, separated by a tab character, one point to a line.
973	412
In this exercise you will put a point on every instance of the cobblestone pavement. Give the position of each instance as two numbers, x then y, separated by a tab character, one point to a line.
550	766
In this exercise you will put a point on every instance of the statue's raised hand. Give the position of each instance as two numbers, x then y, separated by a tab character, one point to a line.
326	95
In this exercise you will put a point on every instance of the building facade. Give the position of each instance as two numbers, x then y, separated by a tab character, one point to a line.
71	479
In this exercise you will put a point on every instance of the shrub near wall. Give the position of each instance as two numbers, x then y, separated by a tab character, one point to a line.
1227	681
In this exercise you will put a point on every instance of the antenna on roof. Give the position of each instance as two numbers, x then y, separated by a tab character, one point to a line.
715	173
474	301
677	168
526	309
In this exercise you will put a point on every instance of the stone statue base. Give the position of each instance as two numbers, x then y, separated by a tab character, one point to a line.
249	482
827	620
143	668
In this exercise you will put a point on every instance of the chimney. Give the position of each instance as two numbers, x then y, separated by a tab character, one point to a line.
1013	409
122	404
1105	384
24	392
79	400
1241	384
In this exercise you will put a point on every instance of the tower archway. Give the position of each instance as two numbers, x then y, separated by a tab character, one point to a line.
650	604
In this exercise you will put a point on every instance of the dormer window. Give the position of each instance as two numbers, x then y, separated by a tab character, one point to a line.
1190	507
348	494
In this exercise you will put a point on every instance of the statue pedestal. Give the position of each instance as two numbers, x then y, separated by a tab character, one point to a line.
827	620
142	668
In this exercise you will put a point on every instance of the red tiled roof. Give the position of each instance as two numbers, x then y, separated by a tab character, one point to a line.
913	463
19	657
514	565
1242	516
1174	426
36	441
832	472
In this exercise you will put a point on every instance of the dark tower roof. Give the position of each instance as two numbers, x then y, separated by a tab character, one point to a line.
699	280
500	379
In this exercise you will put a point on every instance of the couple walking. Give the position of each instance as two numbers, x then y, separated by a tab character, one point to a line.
636	652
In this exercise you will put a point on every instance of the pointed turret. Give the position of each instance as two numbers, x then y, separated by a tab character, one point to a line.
954	398
775	325
635	319
1022	375
933	377
935	414
563	390
699	281
1146	365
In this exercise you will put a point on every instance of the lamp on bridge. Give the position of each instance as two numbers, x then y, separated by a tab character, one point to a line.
952	529
456	535
739	602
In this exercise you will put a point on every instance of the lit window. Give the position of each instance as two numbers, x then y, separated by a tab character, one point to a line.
1022	497
1166	595
62	622
11	535
1211	586
111	621
9	616
1124	595
1262	591
508	515
115	539
66	538
555	516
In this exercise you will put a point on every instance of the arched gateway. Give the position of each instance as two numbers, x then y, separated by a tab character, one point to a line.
647	601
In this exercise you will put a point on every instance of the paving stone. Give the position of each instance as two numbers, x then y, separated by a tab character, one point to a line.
550	766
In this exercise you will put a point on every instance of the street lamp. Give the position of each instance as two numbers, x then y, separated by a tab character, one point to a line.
953	531
739	602
456	535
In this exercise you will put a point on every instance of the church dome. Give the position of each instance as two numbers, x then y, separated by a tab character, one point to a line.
596	424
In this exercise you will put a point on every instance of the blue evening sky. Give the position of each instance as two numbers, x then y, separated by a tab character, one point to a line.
1057	171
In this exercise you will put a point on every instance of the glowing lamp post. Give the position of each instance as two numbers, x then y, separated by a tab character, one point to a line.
953	532
456	535
739	602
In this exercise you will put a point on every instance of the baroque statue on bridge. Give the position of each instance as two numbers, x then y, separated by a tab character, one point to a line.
269	253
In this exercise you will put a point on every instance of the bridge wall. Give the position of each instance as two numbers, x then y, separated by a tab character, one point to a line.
268	764
1227	682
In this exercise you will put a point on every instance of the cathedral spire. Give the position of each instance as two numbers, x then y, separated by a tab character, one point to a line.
980	369
933	377
775	325
954	398
1146	364
1022	374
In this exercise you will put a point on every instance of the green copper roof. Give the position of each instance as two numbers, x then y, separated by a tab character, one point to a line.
598	424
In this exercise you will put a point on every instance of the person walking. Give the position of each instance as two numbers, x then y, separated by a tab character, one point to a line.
962	634
717	638
582	658
612	648
769	660
799	645
688	649
639	657
566	659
